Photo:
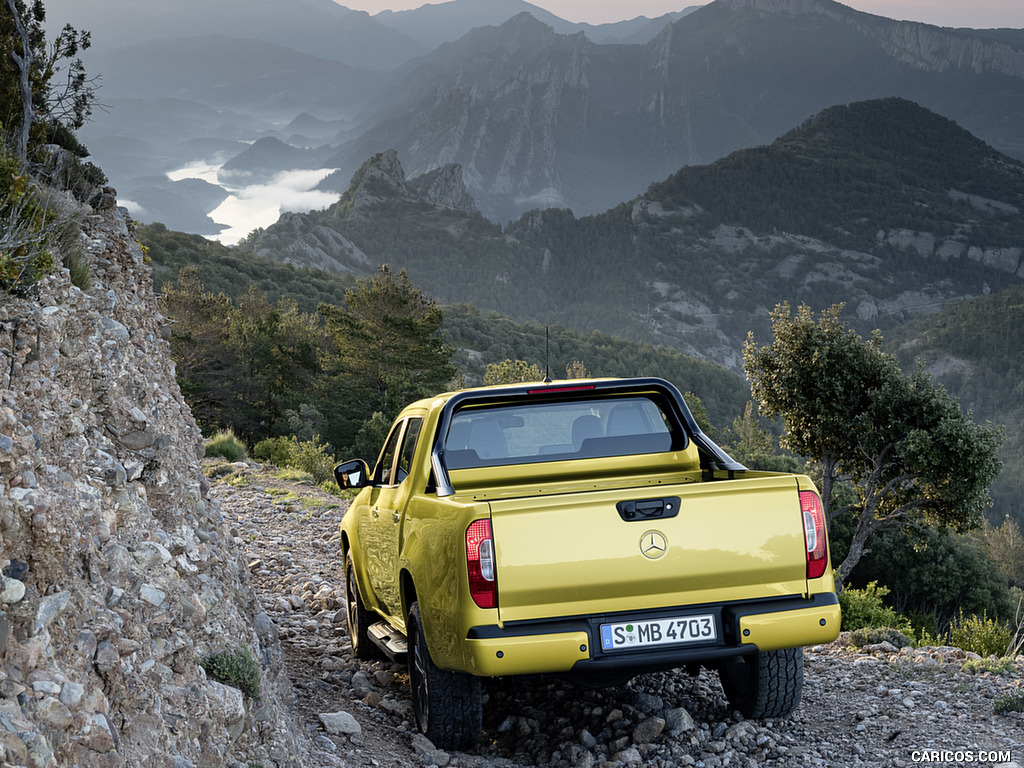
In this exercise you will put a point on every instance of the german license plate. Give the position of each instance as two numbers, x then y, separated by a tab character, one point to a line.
646	633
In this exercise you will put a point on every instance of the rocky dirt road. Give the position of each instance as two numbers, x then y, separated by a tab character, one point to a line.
873	707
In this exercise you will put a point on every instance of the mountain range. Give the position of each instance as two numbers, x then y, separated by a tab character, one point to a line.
535	117
882	205
538	119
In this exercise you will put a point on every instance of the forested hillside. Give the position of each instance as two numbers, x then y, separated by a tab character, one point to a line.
882	205
862	169
976	349
251	342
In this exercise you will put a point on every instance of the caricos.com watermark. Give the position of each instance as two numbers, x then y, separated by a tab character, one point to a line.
960	756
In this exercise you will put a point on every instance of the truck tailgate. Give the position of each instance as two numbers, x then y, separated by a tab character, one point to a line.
572	554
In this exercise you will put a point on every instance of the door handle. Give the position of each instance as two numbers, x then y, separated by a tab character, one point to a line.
395	516
376	513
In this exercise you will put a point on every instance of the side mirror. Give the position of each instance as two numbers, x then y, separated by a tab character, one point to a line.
352	474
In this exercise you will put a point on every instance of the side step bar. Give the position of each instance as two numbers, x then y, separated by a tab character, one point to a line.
388	639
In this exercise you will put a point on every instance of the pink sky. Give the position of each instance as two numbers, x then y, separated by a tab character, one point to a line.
978	14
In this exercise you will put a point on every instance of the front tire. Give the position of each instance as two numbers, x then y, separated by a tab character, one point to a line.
765	684
448	705
359	618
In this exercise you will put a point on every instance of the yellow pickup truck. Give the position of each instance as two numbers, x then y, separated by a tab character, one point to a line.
586	529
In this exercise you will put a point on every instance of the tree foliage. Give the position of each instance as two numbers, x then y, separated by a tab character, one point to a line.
245	364
43	88
26	229
385	348
914	459
512	372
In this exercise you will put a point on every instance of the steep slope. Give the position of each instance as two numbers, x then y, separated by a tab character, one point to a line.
541	119
882	205
120	574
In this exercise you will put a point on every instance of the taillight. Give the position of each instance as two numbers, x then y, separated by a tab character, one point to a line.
814	533
483	587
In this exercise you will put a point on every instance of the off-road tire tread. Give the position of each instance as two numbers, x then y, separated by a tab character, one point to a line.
775	687
456	698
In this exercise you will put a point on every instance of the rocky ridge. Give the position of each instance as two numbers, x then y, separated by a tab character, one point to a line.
119	574
870	706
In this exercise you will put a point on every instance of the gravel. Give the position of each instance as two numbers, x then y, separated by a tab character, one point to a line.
877	706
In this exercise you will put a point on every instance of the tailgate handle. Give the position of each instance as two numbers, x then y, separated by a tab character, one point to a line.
648	509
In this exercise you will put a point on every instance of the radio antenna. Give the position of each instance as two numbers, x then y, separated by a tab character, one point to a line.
547	354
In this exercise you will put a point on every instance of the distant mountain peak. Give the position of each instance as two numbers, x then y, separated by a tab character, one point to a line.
382	177
379	177
791	7
444	187
526	23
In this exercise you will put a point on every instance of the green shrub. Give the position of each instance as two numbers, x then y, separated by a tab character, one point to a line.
864	608
980	635
1003	666
1011	702
220	471
925	626
310	456
275	450
859	638
314	457
61	135
225	444
237	668
72	252
66	235
25	230
331	487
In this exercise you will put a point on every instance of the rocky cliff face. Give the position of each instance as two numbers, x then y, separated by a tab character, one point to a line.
119	574
444	188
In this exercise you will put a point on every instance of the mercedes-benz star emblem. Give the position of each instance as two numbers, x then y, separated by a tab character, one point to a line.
653	545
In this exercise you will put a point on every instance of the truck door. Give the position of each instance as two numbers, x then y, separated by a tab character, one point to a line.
388	513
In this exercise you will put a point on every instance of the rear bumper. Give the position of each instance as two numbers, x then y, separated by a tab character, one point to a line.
572	646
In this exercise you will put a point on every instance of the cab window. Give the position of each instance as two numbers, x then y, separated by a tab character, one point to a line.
396	458
386	462
412	433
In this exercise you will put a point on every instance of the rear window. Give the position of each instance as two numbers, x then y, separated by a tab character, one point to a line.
484	436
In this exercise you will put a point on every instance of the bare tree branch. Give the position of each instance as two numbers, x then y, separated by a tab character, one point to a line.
24	64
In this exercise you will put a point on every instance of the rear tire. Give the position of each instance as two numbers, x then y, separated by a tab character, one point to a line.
448	706
765	684
359	619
